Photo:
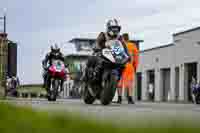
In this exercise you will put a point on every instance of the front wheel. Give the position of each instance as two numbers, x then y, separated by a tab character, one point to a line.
51	97
53	90
109	84
87	97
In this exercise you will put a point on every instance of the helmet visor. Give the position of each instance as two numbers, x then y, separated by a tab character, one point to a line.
56	50
115	28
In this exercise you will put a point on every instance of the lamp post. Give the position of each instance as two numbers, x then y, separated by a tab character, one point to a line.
3	18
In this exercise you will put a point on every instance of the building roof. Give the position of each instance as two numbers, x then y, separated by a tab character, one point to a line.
186	31
81	39
92	39
155	48
81	54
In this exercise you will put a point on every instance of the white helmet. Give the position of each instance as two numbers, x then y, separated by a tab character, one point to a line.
113	28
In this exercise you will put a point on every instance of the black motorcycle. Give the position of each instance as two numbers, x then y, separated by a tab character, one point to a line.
114	59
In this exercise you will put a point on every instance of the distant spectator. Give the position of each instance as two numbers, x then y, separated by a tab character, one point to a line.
16	82
193	83
193	86
8	85
11	86
151	91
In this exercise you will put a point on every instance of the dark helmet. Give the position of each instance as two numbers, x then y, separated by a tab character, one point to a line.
55	48
113	28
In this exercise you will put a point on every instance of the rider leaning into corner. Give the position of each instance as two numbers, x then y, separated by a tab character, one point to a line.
54	54
112	32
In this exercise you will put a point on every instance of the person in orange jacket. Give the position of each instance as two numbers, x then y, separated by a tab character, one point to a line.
128	74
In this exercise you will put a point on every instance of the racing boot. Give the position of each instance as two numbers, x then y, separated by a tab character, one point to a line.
130	100
119	101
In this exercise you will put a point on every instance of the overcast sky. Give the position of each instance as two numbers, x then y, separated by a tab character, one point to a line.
34	24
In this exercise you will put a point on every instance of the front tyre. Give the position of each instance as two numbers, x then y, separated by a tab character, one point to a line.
109	85
53	90
51	97
87	97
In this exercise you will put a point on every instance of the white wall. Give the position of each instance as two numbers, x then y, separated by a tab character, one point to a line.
147	60
186	49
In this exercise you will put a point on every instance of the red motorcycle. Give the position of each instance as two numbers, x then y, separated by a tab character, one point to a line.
55	79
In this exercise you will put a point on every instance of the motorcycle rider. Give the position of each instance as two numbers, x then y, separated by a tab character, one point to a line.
54	54
12	83
8	85
112	32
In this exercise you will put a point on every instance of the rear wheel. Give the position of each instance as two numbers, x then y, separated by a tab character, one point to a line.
87	97
109	88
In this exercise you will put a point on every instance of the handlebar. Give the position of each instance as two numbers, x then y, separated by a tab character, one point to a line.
96	49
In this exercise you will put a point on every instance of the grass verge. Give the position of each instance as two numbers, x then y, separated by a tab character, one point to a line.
25	120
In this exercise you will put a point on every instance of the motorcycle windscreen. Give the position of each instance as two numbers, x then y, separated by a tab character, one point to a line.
58	65
118	51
